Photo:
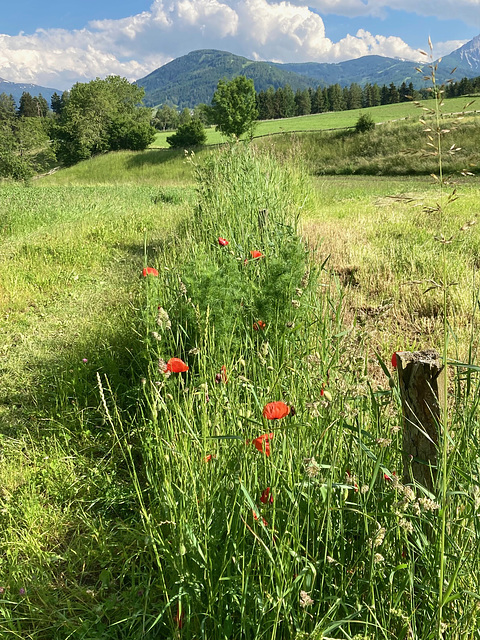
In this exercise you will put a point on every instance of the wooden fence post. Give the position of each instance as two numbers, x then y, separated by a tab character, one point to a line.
420	374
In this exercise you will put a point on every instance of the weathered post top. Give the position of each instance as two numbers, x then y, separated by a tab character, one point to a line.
420	374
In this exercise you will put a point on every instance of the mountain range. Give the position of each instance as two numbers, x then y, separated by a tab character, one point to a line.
193	78
16	89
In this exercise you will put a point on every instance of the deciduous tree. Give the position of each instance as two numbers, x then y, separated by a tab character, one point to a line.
102	115
234	108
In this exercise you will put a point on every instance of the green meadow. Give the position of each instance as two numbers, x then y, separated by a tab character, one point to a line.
144	500
333	120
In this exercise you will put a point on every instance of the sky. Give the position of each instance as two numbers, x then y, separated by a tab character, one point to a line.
55	43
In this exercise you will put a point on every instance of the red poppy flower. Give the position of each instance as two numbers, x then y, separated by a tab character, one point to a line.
209	457
275	410
176	365
266	497
394	360
222	242
262	443
259	325
255	517
256	254
149	271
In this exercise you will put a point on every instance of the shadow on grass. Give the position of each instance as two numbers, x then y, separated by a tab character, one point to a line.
154	157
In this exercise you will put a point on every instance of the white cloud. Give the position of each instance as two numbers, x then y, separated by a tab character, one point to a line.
283	30
466	10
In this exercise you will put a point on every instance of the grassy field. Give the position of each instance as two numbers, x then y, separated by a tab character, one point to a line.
331	120
142	505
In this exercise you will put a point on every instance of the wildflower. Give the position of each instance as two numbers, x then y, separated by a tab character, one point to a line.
182	288
2	590
149	271
275	410
378	557
326	394
406	525
84	360
305	599
305	279
163	319
352	480
209	457
176	365
312	468
259	325
295	303
22	591
379	536
388	478
313	408
222	376
384	442
256	254
262	443
394	360
365	488
266	497
409	493
222	242
428	505
255	517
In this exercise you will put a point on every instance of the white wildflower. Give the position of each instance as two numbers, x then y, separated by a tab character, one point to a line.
305	599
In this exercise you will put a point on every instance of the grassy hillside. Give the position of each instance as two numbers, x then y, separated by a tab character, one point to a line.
131	505
332	120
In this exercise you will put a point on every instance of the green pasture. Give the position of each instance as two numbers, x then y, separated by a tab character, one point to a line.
331	120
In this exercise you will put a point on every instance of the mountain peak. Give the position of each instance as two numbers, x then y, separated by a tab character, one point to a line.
466	58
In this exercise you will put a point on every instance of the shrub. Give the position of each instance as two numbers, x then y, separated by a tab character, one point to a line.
190	134
364	123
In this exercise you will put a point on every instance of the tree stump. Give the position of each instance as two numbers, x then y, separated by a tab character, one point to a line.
420	375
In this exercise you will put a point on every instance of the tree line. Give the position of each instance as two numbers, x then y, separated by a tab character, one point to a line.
284	103
91	118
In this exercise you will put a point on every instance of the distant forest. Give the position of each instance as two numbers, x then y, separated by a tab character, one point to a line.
284	103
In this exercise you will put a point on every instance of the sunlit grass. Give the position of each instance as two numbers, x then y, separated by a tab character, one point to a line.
326	121
114	522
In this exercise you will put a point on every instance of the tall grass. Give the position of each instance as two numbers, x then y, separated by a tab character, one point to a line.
319	537
149	508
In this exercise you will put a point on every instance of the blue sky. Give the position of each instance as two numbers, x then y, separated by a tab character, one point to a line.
58	42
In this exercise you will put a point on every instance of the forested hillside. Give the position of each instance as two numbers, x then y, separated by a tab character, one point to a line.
192	79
